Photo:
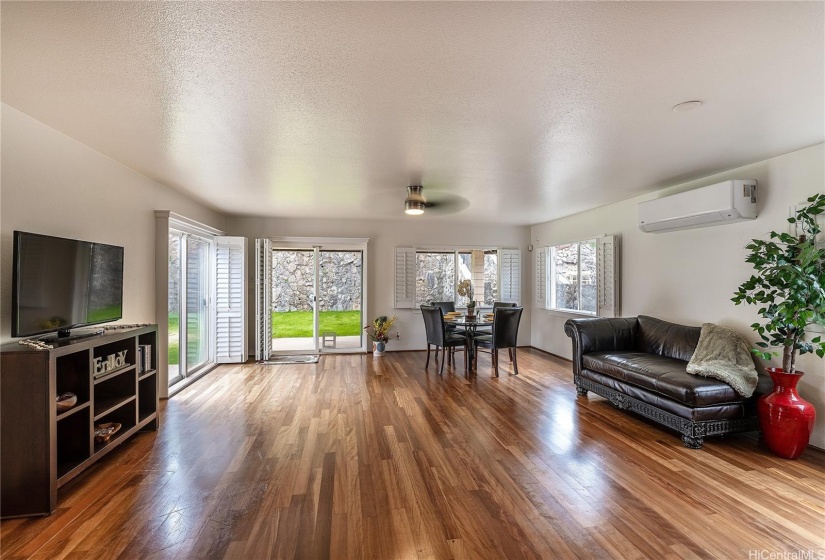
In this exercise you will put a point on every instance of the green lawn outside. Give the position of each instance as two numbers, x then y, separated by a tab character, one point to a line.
298	324
292	324
174	357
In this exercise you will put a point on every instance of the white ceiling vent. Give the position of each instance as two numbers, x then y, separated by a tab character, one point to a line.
722	203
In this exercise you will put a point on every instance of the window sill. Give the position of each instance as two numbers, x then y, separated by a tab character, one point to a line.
570	314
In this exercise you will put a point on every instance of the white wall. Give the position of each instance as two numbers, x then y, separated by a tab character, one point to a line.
690	276
54	185
384	236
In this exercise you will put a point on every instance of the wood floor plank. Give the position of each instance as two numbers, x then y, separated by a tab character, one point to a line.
359	457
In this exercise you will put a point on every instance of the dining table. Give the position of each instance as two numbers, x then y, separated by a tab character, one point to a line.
470	325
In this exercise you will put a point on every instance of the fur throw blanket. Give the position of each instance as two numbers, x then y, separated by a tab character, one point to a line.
724	355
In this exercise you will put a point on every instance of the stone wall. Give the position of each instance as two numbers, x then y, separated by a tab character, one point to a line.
340	281
435	277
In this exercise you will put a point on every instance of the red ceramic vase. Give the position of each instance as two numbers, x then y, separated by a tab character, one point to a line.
785	418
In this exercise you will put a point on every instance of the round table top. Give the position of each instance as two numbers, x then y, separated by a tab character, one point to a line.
464	320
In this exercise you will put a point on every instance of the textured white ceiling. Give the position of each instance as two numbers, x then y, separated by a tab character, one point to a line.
529	111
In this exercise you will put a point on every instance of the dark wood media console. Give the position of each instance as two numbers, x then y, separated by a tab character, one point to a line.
42	449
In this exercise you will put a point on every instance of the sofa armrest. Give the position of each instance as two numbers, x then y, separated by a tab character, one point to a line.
600	335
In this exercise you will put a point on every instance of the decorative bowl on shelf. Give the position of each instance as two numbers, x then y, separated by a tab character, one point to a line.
65	402
105	431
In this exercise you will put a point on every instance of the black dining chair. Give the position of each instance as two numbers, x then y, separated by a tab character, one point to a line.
496	305
438	336
447	307
504	335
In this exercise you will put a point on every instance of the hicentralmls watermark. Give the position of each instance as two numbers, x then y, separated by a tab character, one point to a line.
801	554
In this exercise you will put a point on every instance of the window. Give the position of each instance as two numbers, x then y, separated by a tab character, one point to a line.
434	277
426	275
573	276
580	277
465	272
490	277
481	268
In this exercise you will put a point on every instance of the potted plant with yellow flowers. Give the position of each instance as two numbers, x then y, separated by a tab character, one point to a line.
378	332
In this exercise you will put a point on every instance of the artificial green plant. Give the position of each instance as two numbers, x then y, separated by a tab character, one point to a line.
789	285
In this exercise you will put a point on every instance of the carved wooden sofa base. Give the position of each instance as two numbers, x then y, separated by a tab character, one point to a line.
693	433
639	364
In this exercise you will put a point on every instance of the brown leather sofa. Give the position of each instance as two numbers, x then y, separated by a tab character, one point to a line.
638	363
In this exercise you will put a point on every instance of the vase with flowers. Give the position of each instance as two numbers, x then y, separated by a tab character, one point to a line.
378	332
465	289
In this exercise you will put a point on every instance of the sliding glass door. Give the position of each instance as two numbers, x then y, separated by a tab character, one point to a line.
316	301
340	290
197	303
189	309
175	305
293	300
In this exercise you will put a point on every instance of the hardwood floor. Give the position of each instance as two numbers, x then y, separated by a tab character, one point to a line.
358	457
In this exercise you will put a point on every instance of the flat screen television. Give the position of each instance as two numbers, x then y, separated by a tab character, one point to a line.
60	284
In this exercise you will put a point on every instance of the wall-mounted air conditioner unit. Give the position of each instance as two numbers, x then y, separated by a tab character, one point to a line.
722	203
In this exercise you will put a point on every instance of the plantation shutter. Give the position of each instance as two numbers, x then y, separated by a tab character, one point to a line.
541	277
263	297
230	299
607	277
510	270
404	277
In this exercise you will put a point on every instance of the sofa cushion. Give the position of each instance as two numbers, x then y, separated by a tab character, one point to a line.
663	375
667	339
600	334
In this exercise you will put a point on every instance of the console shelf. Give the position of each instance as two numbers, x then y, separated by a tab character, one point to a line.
114	373
43	450
109	405
72	410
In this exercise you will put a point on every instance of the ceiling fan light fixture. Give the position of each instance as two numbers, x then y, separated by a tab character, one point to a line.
414	204
413	207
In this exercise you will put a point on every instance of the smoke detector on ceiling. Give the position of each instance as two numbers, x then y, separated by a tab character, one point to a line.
686	106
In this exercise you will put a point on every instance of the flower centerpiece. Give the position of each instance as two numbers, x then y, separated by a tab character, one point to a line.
465	289
788	285
378	332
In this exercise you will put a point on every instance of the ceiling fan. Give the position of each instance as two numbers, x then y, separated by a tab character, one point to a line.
439	202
